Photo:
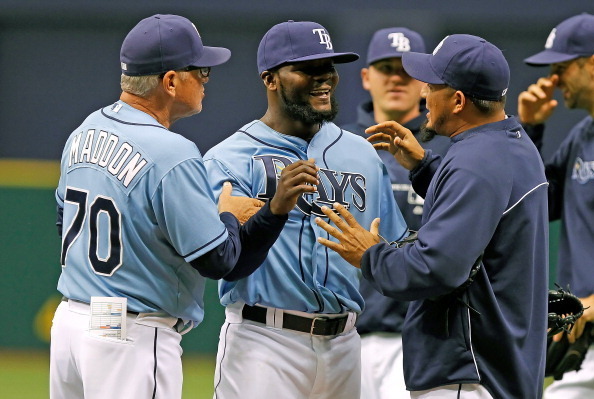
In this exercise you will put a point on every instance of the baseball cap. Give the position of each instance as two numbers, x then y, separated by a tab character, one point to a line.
297	41
464	62
571	39
393	42
162	43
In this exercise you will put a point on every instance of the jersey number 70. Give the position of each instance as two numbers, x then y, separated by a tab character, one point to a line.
104	266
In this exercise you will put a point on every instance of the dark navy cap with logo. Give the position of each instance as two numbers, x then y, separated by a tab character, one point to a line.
393	42
571	39
292	41
464	62
164	43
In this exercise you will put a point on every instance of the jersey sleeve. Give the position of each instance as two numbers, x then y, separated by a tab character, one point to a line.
448	244
186	211
219	173
421	176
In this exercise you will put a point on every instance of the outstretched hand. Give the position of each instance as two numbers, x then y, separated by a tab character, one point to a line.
242	208
399	141
353	239
295	180
536	104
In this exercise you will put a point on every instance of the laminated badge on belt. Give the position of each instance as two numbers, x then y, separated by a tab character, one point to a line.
108	317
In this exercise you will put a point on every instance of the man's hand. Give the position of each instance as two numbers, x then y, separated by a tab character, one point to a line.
399	141
242	208
353	239
536	104
296	179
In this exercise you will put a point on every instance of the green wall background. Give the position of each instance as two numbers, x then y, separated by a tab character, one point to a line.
29	260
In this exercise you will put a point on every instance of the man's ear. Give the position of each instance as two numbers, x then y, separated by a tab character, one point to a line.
169	82
269	79
459	101
365	78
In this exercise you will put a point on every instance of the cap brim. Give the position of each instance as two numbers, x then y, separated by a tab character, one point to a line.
384	57
418	66
548	57
338	58
212	56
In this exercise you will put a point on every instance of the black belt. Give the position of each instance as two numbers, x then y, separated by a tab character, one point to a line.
316	326
64	299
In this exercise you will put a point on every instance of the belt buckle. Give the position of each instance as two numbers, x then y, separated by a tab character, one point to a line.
313	324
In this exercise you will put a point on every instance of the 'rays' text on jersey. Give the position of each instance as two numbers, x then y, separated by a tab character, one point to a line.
100	149
346	188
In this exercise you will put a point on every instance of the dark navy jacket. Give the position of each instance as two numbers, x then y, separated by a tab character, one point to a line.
488	195
382	313
570	173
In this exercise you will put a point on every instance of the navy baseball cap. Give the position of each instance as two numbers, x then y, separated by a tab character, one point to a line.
393	42
164	43
464	62
571	39
297	41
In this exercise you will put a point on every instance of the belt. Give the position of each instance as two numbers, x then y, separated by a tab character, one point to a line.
315	326
148	319
64	299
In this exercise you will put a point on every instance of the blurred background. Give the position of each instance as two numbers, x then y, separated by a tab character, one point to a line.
59	61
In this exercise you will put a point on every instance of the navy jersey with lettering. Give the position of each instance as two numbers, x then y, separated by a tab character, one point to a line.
570	173
487	196
137	208
383	313
299	273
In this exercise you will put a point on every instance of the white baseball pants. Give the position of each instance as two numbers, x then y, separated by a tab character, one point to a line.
382	373
146	365
256	361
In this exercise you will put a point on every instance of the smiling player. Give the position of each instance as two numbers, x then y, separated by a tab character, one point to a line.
289	328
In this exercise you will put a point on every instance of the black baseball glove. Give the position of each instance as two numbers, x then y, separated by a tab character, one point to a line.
563	356
564	309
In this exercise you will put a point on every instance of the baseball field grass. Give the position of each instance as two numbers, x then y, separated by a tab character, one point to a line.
25	375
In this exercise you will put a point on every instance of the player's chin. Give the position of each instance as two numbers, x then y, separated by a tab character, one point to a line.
321	105
396	105
197	109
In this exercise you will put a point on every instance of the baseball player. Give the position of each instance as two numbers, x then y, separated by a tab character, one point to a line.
394	96
477	275
569	50
289	329
140	228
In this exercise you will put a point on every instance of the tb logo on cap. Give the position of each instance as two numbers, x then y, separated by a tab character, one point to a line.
551	38
324	37
399	41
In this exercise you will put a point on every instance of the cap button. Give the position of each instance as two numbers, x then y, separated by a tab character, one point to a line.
290	20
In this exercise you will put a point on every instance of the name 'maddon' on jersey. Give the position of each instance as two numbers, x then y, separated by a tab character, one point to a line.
100	150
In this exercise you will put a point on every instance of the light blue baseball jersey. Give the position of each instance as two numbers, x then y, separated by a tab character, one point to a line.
137	208
299	273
